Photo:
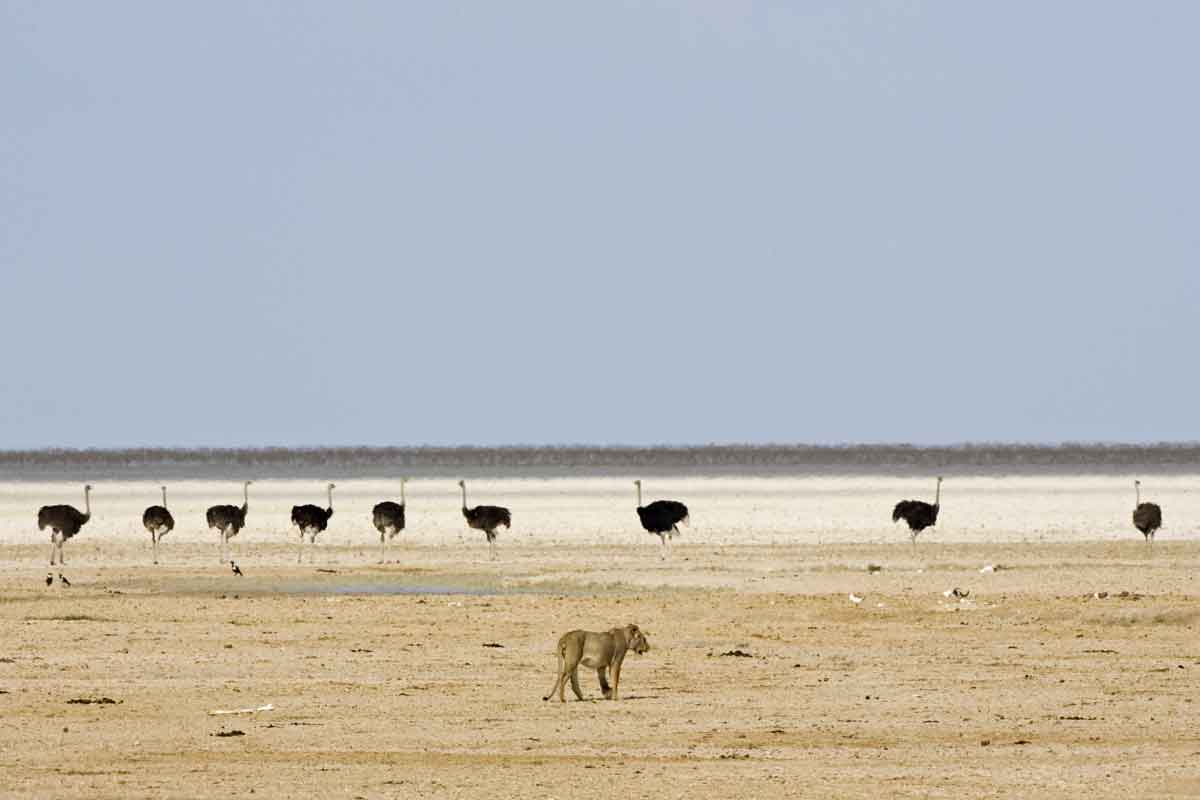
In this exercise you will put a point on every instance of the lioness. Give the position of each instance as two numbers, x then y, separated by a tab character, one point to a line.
599	650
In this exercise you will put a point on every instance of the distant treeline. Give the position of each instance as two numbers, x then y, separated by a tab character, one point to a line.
528	461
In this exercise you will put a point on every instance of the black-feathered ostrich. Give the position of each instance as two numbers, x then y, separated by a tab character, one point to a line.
1147	517
311	520
228	520
158	521
389	520
64	522
662	518
918	514
486	519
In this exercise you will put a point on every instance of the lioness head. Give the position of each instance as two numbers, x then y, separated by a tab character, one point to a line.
637	640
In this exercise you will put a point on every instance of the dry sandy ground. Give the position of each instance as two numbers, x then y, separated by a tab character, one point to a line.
382	685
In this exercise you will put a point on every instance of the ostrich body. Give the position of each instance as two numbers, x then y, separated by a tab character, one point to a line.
158	521
661	518
64	522
486	519
311	520
1147	517
918	514
228	520
389	520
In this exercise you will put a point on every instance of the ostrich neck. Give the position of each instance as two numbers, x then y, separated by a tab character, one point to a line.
639	491
164	497
87	503
937	497
330	499
245	498
464	491
1138	489
401	492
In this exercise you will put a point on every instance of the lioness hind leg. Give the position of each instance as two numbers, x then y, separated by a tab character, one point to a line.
616	673
605	689
575	682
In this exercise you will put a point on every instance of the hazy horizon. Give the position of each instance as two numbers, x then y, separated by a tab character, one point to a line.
289	224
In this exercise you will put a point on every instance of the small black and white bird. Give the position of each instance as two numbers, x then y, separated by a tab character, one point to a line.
62	579
49	579
236	569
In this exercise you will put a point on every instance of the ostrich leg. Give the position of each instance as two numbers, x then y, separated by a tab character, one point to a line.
491	537
662	547
382	548
53	548
154	543
62	561
300	548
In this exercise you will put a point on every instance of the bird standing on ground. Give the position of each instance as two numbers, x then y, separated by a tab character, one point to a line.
64	523
236	570
662	518
228	520
49	579
486	519
1147	517
389	520
63	580
918	514
158	521
311	520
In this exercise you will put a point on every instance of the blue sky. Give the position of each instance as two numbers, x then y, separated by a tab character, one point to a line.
382	223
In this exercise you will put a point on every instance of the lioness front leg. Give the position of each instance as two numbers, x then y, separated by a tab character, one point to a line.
616	673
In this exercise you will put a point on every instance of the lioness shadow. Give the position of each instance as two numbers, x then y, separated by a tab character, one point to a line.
625	698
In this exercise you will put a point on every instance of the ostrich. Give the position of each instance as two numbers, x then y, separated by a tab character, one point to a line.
662	518
389	520
64	522
486	519
918	514
1147	517
228	520
158	521
312	520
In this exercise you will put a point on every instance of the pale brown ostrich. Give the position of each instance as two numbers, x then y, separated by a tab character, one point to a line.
388	517
1147	517
158	522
